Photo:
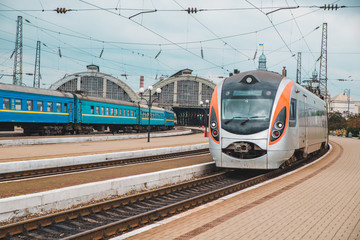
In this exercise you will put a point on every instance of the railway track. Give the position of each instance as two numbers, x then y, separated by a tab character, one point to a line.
11	176
117	216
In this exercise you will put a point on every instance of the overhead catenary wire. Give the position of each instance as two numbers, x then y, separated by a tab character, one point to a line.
159	35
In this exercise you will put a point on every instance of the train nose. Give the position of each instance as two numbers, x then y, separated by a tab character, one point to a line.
244	150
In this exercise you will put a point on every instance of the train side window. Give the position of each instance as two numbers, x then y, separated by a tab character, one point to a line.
49	106
65	107
116	112
292	117
102	110
6	103
18	104
29	105
58	107
40	106
92	109
112	112
107	111
97	110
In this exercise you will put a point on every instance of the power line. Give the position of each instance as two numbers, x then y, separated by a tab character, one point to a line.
157	34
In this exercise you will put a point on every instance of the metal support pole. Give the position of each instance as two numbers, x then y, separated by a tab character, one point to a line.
149	105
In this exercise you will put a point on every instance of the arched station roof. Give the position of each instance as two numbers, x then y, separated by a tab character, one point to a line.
96	84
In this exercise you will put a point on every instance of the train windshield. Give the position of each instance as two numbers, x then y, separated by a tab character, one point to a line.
246	111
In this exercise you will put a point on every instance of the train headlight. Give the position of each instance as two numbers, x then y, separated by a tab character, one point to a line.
214	125
279	125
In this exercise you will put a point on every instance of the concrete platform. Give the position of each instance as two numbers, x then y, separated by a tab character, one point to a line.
320	201
68	197
61	150
94	138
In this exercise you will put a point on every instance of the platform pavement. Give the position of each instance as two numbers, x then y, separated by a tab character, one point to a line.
320	201
33	152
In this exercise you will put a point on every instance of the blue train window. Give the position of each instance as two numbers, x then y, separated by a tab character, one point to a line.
58	107
112	111
65	107
107	111
120	112
29	105
92	110
97	110
49	106
6	103
116	112
18	104
40	106
102	110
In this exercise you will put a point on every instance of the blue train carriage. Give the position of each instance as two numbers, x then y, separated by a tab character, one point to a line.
36	110
169	119
100	113
157	118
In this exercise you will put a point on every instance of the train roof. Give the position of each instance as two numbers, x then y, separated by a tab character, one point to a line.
105	100
41	91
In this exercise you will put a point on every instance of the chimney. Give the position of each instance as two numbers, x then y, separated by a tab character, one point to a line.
141	81
284	72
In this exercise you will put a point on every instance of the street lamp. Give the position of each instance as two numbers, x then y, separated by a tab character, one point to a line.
347	91
149	102
205	107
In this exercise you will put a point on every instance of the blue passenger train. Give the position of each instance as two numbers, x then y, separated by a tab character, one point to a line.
50	112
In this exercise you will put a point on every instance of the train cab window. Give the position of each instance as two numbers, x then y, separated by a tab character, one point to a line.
92	111
29	105
40	106
18	104
65	107
49	106
6	103
292	117
102	110
58	107
97	110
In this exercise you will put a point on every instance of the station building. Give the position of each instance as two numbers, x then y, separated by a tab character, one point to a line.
182	92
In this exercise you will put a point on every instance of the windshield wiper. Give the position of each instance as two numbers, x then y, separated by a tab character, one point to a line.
229	120
246	120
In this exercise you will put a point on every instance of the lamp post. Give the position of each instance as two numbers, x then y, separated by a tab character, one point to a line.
347	91
204	107
149	102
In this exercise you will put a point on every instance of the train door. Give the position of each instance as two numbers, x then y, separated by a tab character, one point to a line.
306	125
80	112
69	109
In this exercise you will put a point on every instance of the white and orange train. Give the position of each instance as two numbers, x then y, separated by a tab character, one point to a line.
262	120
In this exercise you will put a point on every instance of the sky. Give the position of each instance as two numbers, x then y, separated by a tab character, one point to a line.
157	38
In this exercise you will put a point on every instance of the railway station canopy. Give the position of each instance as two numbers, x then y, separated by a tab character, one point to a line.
182	92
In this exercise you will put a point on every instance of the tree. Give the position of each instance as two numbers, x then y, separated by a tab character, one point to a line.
336	121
